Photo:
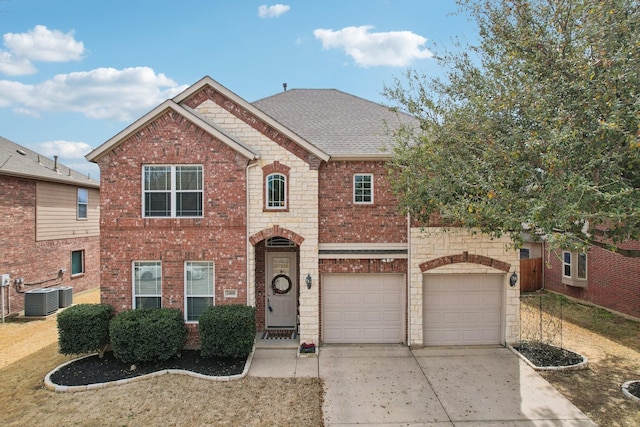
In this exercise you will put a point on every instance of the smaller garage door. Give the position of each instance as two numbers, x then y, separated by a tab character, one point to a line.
362	308
462	309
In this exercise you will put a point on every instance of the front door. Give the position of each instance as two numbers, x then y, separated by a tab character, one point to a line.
281	290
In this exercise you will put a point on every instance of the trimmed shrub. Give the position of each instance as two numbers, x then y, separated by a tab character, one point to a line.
227	331
147	335
84	328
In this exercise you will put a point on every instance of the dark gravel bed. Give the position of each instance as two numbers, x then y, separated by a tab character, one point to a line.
544	355
92	369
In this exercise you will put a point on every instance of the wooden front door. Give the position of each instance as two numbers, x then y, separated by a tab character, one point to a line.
281	292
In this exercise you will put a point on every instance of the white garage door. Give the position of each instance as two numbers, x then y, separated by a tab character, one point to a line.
462	309
363	308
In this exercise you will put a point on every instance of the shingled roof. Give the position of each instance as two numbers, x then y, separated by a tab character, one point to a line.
341	124
19	161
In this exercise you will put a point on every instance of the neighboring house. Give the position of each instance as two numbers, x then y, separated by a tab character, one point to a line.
284	204
49	225
599	277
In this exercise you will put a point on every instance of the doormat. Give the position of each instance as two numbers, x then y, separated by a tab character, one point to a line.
279	334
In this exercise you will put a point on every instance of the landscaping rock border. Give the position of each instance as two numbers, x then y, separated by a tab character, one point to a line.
578	366
50	385
626	392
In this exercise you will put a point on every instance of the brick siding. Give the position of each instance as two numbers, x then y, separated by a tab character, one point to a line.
36	262
219	236
613	281
342	221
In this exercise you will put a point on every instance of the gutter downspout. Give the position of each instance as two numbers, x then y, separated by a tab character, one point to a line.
249	166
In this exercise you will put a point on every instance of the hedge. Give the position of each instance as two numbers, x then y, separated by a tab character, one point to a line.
227	331
84	328
147	335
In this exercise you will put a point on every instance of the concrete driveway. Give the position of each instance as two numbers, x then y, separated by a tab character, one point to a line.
397	386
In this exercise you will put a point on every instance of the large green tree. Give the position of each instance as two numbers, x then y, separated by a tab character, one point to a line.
535	128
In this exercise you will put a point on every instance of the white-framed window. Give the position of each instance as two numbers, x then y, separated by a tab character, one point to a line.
566	264
172	191
147	284
83	203
276	191
77	262
363	188
574	268
199	288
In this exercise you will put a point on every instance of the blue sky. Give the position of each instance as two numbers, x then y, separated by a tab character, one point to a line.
73	73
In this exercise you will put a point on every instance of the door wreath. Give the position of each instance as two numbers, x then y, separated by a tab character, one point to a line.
281	284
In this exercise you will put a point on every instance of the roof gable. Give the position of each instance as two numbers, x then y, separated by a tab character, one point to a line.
209	89
188	114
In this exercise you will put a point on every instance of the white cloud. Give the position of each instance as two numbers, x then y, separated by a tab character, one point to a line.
64	149
39	44
393	48
42	44
103	93
274	11
13	66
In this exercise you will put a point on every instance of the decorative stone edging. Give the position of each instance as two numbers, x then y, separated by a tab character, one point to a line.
63	388
576	367
625	390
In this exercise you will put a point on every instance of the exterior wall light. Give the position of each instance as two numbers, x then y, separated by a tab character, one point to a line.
308	281
513	279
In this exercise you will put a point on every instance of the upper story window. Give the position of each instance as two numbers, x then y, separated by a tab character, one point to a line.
574	268
276	187
363	188
147	284
83	203
276	191
172	191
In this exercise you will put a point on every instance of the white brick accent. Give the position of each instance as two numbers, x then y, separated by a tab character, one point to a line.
432	243
301	218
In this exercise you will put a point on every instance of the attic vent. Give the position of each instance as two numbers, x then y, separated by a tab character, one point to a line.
21	152
279	242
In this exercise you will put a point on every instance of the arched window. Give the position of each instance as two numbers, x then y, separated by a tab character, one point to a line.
276	191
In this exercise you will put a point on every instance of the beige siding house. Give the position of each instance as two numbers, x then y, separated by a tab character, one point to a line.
50	226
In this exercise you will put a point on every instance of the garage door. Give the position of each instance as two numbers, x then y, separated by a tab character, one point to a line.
462	309
363	308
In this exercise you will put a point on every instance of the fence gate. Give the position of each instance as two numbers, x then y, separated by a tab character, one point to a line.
530	274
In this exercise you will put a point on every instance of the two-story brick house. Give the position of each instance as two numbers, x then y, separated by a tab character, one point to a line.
284	204
49	225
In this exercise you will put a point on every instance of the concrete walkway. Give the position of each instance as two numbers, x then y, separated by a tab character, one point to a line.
392	385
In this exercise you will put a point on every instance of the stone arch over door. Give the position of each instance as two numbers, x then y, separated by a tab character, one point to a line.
276	231
262	283
465	257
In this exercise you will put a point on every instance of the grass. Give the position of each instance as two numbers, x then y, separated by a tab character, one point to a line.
614	327
612	345
29	350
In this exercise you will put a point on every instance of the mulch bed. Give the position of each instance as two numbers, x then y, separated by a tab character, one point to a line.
544	355
634	388
93	369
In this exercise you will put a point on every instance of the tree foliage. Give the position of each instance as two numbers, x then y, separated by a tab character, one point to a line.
535	128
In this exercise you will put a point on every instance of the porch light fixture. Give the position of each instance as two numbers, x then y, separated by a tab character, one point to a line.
513	279
308	281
